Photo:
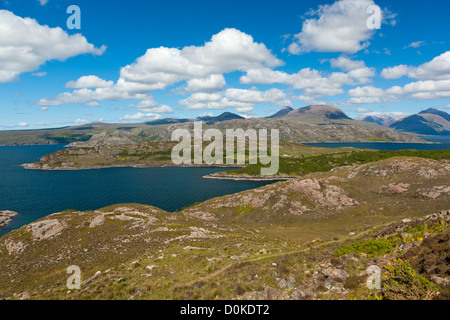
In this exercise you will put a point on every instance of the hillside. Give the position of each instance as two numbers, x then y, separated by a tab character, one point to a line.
427	122
317	114
280	114
310	238
305	125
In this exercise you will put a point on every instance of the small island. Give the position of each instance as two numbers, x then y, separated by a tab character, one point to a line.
5	217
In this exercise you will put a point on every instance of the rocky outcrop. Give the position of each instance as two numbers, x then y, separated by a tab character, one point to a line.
5	217
118	137
46	229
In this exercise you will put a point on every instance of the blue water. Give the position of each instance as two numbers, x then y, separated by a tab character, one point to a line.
443	144
35	194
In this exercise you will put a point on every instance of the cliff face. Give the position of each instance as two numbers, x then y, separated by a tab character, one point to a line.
131	251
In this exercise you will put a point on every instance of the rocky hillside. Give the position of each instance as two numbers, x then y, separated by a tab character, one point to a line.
427	122
317	114
311	238
301	132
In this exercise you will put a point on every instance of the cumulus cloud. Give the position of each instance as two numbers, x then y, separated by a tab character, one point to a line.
85	95
395	72
140	116
346	64
369	94
202	67
229	50
312	83
25	45
89	82
211	83
150	105
436	69
339	27
242	100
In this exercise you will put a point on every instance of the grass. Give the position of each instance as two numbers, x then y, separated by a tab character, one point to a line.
370	247
325	162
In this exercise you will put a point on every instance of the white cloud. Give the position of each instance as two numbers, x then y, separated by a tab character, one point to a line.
92	104
242	100
313	83
81	121
202	67
25	45
395	72
43	2
415	44
23	124
39	74
44	108
347	64
140	116
393	114
206	114
229	50
81	96
339	27
369	94
436	69
211	83
150	105
89	82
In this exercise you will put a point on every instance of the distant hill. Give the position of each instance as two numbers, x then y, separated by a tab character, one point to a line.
280	114
427	122
223	117
316	114
318	123
166	121
384	121
440	113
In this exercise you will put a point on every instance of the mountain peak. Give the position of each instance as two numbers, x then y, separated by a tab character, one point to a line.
318	113
443	114
281	113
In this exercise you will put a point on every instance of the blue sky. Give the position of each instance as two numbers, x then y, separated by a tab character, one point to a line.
137	60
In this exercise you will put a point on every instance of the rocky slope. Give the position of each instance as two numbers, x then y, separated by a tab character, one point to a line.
311	238
292	130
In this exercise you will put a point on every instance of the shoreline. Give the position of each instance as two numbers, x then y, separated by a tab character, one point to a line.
249	178
32	166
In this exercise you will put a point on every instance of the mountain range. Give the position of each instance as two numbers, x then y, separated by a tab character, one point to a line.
316	123
427	122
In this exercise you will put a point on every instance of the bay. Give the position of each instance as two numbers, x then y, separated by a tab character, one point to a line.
35	194
442	143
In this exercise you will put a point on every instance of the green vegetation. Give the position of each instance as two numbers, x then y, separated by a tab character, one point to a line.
401	282
370	247
244	209
325	162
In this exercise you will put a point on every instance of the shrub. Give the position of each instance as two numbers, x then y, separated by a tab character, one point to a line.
400	282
